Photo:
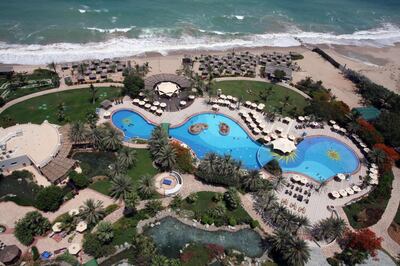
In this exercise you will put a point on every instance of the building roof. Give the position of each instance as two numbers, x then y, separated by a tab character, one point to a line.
39	142
368	113
106	104
9	254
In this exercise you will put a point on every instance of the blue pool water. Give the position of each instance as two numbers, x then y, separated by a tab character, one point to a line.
318	157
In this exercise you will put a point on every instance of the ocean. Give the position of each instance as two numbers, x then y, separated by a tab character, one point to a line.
41	31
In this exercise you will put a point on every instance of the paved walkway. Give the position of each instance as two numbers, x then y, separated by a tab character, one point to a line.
60	89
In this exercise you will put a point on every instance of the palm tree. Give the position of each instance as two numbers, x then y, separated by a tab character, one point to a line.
121	186
296	252
131	201
251	181
105	232
92	211
93	91
166	158
158	139
52	66
146	186
116	169
337	227
287	220
112	139
279	210
301	221
266	199
279	182
95	136
352	127
126	157
377	156
279	240
329	229
78	132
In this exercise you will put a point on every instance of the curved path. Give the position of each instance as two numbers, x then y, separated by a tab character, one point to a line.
266	81
60	89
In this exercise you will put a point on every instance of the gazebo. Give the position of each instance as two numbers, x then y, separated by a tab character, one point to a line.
10	254
283	145
106	104
167	88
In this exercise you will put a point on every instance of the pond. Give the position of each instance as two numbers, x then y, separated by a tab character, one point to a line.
172	235
19	188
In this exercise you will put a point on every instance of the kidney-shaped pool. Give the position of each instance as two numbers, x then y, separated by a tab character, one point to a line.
319	157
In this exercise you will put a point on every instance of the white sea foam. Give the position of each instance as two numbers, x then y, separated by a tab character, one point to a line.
114	30
82	11
151	41
239	17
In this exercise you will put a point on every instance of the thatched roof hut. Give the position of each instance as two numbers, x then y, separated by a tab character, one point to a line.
10	254
106	104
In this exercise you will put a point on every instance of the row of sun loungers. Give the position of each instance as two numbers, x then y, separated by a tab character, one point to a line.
155	107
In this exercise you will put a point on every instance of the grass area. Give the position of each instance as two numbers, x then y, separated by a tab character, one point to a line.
248	90
96	163
205	202
77	103
22	92
369	210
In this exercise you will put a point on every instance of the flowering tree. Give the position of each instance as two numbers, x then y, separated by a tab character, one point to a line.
363	240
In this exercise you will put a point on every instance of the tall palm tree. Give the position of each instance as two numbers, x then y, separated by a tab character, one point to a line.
116	169
95	136
93	91
279	182
301	221
337	227
146	186
279	240
157	140
131	201
287	220
279	210
266	199
377	156
78	132
92	211
251	180
126	157
210	161
112	139
166	158
296	252
121	186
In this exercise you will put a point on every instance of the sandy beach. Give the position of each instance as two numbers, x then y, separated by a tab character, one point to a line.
382	65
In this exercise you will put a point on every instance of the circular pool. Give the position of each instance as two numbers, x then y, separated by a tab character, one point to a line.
318	157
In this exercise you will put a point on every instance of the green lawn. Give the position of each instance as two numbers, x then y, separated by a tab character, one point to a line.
248	90
77	102
205	202
97	163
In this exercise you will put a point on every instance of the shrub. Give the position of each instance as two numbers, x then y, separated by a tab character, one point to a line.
232	221
35	253
133	84
218	197
206	219
79	180
94	247
192	198
231	198
2	101
31	225
273	167
49	198
105	232
153	207
254	224
176	202
184	160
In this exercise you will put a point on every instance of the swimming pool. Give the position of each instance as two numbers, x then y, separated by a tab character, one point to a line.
319	157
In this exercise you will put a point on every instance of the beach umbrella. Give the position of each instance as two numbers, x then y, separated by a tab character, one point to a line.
253	105
284	145
374	182
214	107
256	131
267	139
335	127
106	114
81	226
141	94
221	102
248	119
260	107
296	178
266	131
74	248
307	118
287	119
163	105
251	126
261	126
291	137
183	103
136	100
349	190
234	99
191	97
303	180
335	194
373	170
159	111
232	106
247	103
356	188
146	100
229	97
73	212
343	130
341	176
153	108
273	136
227	102
362	145
141	103
332	122
373	165
222	96
366	150
147	105
57	227
156	103
343	193
373	176
300	118
279	129
244	114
